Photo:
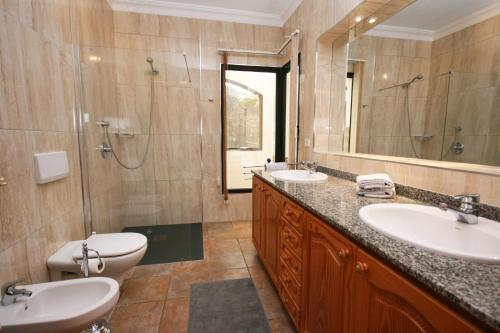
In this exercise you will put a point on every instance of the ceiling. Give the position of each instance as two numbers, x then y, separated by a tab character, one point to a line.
433	19
264	12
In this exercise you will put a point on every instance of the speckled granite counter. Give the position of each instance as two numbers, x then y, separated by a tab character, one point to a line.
471	286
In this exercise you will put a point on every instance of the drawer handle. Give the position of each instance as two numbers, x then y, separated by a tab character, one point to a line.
361	267
344	254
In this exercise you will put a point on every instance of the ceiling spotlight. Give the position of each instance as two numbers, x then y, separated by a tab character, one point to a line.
358	19
372	20
95	58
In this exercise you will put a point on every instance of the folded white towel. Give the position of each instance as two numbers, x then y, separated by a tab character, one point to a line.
374	181
276	166
382	193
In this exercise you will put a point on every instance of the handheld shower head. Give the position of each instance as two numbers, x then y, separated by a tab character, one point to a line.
153	69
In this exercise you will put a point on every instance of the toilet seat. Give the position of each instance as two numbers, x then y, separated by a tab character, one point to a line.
112	245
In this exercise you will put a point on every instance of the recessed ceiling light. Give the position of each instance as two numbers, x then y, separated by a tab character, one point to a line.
95	58
358	18
372	20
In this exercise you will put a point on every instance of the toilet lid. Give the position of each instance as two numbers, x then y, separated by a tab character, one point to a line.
113	245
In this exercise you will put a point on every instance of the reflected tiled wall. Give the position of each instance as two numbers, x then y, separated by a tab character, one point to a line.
383	119
37	114
313	17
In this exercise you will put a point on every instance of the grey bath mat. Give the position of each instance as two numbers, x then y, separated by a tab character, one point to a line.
231	306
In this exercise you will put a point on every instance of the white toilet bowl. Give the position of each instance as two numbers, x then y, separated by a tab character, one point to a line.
119	251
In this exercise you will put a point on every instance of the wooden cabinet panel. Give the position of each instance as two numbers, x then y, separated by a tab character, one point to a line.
292	239
293	214
272	208
292	309
290	284
257	212
294	265
386	302
329	270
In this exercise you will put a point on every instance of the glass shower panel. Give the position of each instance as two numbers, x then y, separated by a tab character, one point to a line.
141	136
472	126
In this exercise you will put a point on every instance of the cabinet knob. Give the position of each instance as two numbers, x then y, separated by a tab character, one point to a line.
343	254
3	182
361	267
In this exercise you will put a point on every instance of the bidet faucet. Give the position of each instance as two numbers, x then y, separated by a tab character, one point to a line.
11	294
85	257
468	212
309	165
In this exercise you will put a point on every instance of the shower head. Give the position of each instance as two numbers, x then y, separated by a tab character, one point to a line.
153	69
418	77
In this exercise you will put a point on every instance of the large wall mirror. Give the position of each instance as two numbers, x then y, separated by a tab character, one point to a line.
417	79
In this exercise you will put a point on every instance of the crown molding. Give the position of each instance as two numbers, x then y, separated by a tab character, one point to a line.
467	21
169	8
390	31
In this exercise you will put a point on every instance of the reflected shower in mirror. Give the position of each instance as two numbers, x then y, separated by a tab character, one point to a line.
422	84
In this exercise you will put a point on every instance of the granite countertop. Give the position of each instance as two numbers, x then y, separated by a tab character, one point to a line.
474	287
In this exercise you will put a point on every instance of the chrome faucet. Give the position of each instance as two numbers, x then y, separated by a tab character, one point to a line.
11	294
85	257
309	165
468	212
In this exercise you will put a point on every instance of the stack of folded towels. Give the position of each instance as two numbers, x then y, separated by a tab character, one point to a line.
378	185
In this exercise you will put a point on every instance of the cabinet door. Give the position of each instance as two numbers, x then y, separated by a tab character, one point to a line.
272	209
328	272
257	212
384	301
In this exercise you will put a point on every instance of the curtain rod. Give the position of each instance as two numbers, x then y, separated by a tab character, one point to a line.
256	52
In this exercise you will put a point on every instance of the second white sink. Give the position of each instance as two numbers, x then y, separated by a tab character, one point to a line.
62	306
299	176
436	230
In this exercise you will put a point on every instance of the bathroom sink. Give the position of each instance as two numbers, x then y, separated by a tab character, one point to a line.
436	230
62	306
299	176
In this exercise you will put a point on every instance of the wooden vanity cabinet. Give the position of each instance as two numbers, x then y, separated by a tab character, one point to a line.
266	212
384	301
257	212
328	284
328	275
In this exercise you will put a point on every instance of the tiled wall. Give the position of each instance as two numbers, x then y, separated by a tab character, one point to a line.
383	120
315	16
37	114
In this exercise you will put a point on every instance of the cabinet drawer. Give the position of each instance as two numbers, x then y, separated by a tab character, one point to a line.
289	283
292	263
292	239
293	214
292	309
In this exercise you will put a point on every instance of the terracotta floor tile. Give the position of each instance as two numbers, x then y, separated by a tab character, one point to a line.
230	274
145	289
219	226
260	277
175	316
271	303
246	244
139	317
242	224
152	270
221	234
225	262
180	285
251	259
214	248
281	325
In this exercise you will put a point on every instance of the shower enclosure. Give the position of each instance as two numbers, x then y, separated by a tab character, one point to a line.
140	134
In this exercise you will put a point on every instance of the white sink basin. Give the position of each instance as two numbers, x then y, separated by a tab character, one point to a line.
436	230
62	306
299	176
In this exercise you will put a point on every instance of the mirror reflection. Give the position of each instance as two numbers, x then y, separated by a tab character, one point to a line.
422	84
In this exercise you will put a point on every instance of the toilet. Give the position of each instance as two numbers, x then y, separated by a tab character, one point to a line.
119	251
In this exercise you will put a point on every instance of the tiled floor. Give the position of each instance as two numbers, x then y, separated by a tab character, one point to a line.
156	297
